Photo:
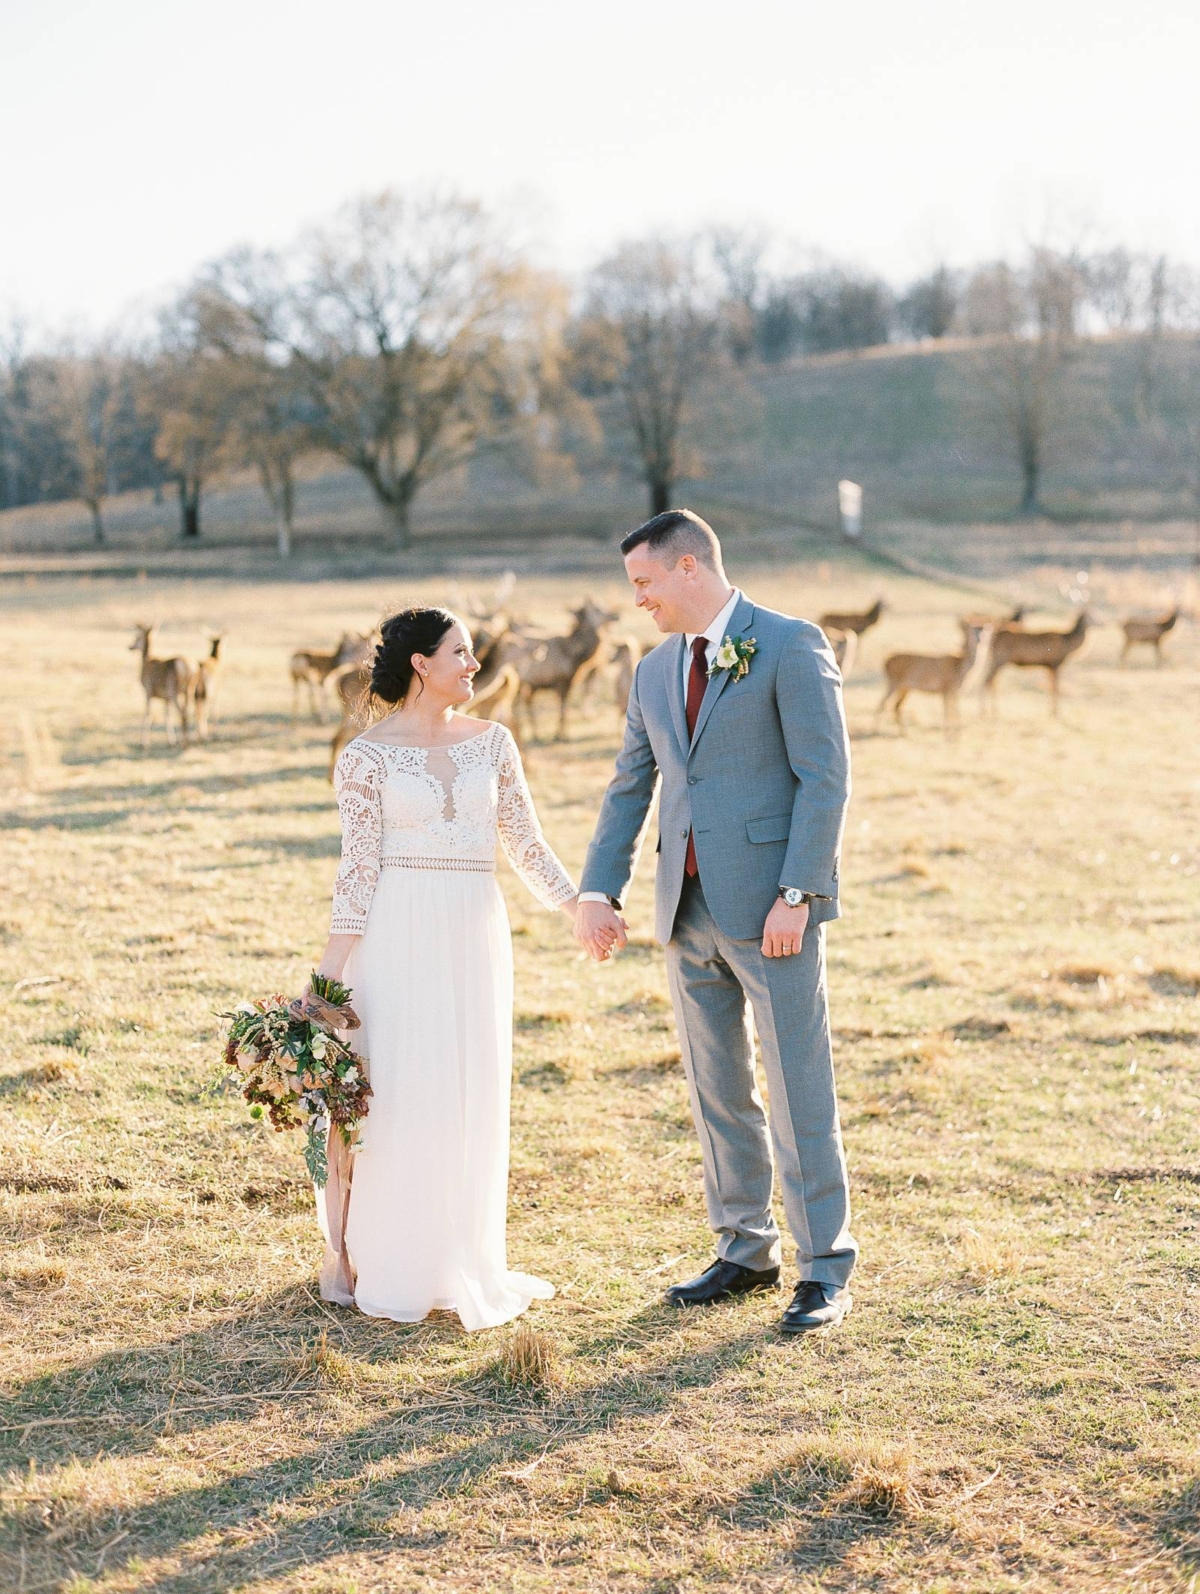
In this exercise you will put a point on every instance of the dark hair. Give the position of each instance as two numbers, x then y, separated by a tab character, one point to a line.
401	635
674	533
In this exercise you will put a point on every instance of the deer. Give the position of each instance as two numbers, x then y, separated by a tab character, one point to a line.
498	700
1041	650
312	667
351	685
1016	619
554	664
172	682
858	623
206	684
943	673
1149	631
845	646
627	655
620	656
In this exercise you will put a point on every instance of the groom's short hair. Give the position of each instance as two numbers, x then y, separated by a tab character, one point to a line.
674	533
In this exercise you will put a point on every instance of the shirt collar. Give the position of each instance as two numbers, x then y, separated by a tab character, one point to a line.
715	632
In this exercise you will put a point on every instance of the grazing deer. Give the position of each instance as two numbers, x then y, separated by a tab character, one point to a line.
498	700
312	667
351	685
489	645
845	646
1030	650
171	681
206	687
943	673
1015	619
554	664
627	657
858	623
1150	632
620	657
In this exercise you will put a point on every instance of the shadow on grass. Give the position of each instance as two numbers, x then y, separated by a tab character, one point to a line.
335	1493
1180	1526
292	846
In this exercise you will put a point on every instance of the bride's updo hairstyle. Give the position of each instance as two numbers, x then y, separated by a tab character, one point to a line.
401	635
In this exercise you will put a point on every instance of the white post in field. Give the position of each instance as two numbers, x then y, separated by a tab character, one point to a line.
850	508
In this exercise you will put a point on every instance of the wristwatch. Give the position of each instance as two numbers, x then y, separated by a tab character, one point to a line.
796	898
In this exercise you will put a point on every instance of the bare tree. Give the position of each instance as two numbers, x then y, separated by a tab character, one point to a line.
1025	321
186	389
929	306
827	308
739	258
649	332
271	419
12	402
271	427
418	333
82	394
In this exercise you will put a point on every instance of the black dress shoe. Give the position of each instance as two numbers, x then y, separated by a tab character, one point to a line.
721	1282
816	1305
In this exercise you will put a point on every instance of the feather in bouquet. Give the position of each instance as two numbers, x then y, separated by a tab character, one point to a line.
294	1069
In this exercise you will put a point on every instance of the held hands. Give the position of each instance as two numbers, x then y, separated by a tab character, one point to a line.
600	928
783	931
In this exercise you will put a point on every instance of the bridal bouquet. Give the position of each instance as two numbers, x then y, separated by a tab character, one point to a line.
294	1069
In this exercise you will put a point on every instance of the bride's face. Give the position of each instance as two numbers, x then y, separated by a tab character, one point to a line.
447	674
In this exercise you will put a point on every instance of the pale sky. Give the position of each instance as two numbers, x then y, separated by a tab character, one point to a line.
143	137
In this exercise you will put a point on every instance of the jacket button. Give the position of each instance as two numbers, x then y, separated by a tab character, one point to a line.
683	833
691	780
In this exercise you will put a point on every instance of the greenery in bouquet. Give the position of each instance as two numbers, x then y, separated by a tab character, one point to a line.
295	1069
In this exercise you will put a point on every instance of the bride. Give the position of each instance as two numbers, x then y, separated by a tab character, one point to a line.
421	935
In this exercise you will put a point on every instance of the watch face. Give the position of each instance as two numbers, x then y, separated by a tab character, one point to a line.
793	897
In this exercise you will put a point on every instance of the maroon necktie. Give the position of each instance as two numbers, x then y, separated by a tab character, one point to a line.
697	683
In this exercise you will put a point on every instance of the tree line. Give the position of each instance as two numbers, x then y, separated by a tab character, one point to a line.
410	335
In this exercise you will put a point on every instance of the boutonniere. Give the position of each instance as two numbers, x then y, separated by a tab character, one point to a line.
734	655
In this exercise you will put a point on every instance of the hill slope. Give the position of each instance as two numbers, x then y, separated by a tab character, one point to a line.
913	425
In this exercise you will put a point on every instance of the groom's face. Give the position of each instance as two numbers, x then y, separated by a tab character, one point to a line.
666	592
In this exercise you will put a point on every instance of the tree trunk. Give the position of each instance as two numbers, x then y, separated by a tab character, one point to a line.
660	494
97	520
1031	472
1029	451
401	524
189	505
282	496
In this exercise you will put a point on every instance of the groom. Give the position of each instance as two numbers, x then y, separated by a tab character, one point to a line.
740	716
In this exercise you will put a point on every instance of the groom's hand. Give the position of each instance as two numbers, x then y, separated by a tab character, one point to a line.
600	928
783	931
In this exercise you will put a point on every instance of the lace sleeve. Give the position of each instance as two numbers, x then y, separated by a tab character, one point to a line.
521	835
356	781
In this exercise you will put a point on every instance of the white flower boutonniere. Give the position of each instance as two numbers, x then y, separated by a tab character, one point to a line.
734	655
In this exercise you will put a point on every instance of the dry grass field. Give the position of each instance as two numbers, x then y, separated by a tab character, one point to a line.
1014	1403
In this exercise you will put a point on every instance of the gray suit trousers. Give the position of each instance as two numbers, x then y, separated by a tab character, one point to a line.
721	988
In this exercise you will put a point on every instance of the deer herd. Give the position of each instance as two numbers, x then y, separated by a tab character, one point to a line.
519	662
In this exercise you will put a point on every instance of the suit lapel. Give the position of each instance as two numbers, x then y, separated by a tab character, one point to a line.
675	690
740	620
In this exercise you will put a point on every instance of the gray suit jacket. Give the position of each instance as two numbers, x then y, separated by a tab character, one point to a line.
764	782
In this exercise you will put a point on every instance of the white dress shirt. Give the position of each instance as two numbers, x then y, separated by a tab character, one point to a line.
715	633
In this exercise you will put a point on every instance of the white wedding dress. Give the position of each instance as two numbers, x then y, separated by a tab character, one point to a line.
432	983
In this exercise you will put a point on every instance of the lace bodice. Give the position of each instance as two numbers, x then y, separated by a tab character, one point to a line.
437	807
